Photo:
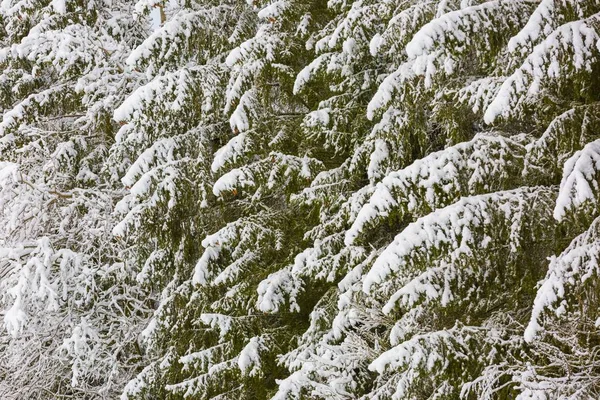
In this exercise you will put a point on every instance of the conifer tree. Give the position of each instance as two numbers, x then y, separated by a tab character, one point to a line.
438	90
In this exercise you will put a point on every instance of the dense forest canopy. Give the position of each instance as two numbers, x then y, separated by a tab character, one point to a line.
286	199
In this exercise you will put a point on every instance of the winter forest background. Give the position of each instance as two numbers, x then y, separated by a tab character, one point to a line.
300	199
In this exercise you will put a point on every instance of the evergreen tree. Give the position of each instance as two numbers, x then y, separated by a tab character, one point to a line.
454	326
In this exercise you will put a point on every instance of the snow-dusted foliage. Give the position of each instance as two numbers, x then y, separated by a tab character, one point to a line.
254	199
440	179
564	61
447	295
568	276
70	308
206	209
